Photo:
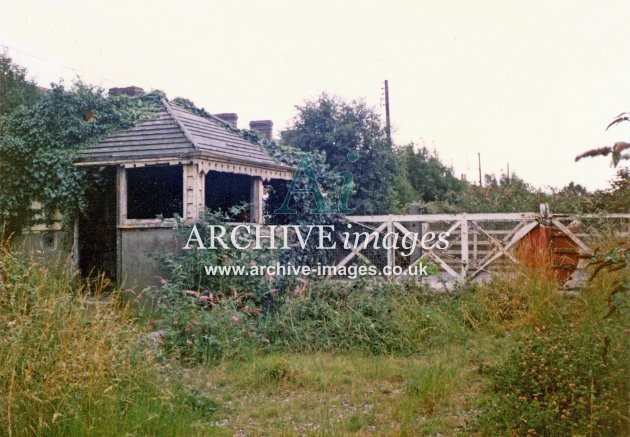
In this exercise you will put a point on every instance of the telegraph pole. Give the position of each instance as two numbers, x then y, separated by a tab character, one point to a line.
388	127
479	163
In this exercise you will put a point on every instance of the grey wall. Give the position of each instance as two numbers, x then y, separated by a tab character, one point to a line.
51	246
138	253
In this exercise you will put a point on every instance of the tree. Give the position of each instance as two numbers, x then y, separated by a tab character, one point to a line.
15	88
353	139
403	194
428	176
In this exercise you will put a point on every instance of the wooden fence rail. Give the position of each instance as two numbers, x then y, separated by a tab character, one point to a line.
477	243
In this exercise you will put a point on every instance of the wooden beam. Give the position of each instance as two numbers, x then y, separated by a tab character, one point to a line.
210	163
498	245
443	264
121	217
257	203
516	238
431	218
504	241
191	193
121	194
357	250
75	245
568	233
464	248
391	251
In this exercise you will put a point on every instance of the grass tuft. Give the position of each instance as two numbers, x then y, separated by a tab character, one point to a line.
70	361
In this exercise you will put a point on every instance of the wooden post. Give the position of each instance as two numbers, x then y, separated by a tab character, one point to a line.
388	126
425	229
257	191
75	245
201	192
121	195
391	251
194	193
479	162
475	244
121	216
464	249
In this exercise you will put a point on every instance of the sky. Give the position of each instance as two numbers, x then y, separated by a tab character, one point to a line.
530	84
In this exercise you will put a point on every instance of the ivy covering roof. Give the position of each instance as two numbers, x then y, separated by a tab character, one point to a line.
177	133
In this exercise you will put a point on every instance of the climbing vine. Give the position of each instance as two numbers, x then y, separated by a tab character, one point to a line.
39	143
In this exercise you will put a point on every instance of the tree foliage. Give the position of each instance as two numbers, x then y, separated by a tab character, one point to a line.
15	88
430	179
353	139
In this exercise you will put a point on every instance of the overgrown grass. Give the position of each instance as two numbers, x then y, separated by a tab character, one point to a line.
382	319
341	351
343	393
515	301
336	359
70	361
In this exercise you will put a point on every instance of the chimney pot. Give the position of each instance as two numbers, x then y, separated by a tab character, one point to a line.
131	91
265	127
228	117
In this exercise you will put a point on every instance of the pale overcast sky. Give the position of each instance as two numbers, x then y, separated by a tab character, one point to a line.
530	83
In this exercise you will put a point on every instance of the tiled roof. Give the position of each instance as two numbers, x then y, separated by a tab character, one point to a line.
176	133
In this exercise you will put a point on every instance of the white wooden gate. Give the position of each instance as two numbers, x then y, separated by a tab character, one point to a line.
478	243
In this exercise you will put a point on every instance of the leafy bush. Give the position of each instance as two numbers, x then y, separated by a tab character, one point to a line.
210	319
206	332
184	268
562	381
365	316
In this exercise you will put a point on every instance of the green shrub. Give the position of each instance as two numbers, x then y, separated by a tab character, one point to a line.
184	269
206	332
210	319
330	316
567	380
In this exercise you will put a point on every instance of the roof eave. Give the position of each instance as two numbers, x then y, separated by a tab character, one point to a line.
187	158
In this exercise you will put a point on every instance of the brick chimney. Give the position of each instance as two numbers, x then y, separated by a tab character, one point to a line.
265	127
131	91
228	117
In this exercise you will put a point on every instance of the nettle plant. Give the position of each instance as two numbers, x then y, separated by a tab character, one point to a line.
185	268
209	318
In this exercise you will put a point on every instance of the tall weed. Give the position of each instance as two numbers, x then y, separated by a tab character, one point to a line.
70	362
